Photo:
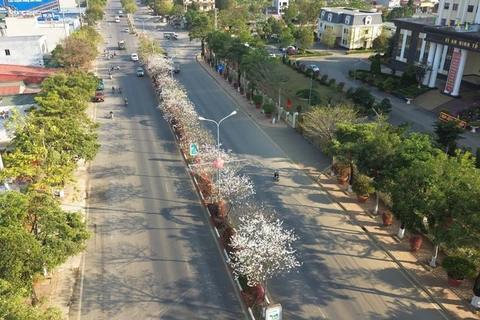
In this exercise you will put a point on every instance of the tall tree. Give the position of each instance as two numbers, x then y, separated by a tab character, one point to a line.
305	38
447	135
328	37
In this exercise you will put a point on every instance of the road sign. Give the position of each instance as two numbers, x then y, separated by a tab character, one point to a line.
445	117
274	312
193	149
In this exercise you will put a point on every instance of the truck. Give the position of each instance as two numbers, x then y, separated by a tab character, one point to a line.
121	45
170	36
176	65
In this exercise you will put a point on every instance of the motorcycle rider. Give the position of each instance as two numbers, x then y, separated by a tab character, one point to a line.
126	102
276	175
111	114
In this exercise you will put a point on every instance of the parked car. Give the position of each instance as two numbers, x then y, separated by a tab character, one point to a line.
127	30
314	68
120	13
100	85
140	72
134	57
117	20
99	96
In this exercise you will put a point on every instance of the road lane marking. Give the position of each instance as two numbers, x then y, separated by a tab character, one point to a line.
166	188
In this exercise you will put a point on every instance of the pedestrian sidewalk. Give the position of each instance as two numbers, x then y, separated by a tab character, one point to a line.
241	100
59	284
416	264
433	281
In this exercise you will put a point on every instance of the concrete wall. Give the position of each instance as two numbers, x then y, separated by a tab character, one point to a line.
24	51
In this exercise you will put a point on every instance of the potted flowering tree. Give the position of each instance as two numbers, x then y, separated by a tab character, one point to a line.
258	100
268	109
362	186
458	269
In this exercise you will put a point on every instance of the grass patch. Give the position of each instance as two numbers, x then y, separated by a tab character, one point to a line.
298	82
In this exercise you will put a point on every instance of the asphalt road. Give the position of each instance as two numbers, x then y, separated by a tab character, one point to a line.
344	275
153	254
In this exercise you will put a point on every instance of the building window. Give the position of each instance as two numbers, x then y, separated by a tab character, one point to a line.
7	52
407	43
347	19
455	7
451	23
329	17
446	6
470	8
366	31
368	20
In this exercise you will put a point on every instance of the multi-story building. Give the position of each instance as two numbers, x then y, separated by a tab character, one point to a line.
280	5
448	44
204	5
353	28
23	50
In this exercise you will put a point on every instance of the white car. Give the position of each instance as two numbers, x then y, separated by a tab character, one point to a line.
117	20
127	30
314	68
134	57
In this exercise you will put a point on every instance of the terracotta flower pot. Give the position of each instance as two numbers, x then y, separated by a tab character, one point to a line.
268	115
362	199
454	282
248	95
258	105
387	220
342	179
415	243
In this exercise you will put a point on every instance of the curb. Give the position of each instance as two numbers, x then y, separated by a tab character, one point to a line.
212	224
383	248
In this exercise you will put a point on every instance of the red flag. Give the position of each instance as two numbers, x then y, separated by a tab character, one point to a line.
289	103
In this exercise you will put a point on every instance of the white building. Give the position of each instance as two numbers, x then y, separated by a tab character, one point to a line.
449	44
204	5
23	50
280	5
353	28
390	4
54	31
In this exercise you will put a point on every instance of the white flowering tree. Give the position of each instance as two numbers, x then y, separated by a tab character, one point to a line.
204	163
231	187
262	248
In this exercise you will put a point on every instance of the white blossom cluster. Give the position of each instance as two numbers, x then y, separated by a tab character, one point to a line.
231	187
262	247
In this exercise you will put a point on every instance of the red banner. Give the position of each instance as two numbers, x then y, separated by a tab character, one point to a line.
452	73
289	103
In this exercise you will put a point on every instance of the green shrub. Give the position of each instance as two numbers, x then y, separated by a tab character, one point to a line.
268	108
388	84
331	83
363	97
362	185
350	92
315	98
384	107
459	267
257	99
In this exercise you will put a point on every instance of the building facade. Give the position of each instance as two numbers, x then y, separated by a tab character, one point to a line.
204	5
54	31
353	28
448	45
280	5
23	51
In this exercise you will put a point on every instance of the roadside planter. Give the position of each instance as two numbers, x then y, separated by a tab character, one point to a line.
268	109
458	269
258	100
387	217
415	242
363	188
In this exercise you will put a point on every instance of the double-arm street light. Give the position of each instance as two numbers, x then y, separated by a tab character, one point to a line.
218	164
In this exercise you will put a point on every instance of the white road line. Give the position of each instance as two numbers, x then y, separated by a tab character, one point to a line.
166	188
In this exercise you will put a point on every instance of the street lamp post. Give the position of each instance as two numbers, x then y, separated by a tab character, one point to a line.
218	139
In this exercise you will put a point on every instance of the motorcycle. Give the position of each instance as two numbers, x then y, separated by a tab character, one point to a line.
126	102
111	114
276	176
120	90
